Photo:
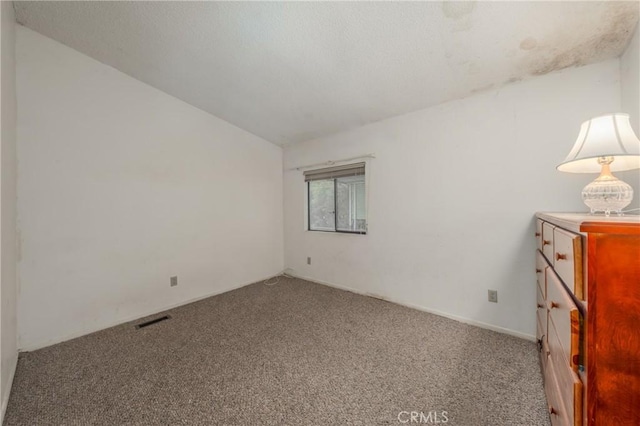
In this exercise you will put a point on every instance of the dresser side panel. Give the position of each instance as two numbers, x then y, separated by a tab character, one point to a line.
613	340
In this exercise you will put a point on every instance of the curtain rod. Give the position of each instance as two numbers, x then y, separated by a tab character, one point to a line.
332	162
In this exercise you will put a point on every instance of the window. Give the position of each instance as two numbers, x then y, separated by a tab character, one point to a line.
336	199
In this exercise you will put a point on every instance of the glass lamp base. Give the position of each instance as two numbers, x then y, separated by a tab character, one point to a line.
607	194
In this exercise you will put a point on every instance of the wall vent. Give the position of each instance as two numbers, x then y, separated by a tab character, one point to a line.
153	321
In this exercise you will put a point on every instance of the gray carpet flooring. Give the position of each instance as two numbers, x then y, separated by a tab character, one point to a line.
296	353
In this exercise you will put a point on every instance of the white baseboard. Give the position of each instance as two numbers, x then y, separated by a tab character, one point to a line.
421	308
293	274
7	392
56	340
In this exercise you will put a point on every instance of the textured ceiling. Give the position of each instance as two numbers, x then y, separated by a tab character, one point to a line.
290	72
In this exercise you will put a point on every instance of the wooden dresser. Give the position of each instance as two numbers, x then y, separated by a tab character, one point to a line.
588	315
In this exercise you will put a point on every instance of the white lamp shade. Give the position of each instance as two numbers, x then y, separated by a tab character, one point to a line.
605	136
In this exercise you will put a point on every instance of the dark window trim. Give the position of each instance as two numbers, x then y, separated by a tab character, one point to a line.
339	232
335	204
308	205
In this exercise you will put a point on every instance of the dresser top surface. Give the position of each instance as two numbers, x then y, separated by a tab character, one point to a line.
584	222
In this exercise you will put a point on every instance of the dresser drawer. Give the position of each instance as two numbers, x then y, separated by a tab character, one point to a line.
543	348
538	234
567	260
564	318
557	412
570	386
544	356
547	240
541	266
541	315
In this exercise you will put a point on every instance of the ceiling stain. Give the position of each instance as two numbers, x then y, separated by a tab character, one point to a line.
457	9
327	67
528	43
483	88
606	40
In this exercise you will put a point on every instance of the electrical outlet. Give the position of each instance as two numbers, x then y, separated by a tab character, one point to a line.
493	296
308	261
174	281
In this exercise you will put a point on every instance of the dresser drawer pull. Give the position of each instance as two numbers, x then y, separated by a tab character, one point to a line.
546	242
552	410
540	306
537	234
538	271
554	305
561	256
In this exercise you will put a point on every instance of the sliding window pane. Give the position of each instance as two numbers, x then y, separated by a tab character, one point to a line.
352	215
321	205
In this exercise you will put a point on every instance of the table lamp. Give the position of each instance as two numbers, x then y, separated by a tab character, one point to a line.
606	143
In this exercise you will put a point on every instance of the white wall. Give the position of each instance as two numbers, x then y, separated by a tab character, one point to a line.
8	253
630	80
452	194
630	100
122	186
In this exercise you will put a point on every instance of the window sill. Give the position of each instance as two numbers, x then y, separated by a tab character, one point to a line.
313	231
